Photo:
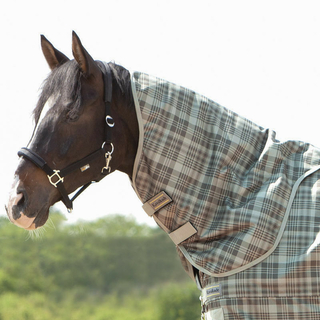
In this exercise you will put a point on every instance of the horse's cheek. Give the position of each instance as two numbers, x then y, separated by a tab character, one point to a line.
65	146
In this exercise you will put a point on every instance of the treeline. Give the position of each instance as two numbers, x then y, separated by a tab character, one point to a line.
112	268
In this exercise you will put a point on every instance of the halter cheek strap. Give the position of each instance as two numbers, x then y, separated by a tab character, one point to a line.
107	79
56	177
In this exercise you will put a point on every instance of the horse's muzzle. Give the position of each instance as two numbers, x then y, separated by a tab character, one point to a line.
16	207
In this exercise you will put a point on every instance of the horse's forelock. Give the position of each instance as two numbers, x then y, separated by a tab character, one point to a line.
63	82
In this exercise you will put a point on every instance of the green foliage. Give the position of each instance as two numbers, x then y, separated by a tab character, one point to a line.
112	268
179	302
38	306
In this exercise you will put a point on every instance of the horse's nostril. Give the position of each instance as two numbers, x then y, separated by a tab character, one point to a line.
21	200
18	206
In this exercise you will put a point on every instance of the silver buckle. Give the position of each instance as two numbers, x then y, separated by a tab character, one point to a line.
57	175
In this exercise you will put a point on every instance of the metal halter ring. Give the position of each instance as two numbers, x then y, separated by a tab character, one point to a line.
112	147
110	121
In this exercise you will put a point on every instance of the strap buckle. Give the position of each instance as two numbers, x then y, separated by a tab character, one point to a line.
57	175
107	167
108	159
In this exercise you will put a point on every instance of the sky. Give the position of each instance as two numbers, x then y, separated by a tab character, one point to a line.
257	58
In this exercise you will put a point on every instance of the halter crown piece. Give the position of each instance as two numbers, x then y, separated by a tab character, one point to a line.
56	177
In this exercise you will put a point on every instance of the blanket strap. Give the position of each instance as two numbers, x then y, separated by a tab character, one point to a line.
155	204
182	233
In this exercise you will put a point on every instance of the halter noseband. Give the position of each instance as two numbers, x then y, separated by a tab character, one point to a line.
56	177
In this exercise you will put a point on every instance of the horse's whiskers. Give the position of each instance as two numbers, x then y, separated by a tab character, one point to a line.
50	224
36	234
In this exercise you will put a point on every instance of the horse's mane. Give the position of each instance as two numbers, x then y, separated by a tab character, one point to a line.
64	84
122	76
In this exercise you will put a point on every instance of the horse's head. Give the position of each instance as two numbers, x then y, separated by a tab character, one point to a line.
70	126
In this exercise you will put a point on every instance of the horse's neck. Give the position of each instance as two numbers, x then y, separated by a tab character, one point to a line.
126	137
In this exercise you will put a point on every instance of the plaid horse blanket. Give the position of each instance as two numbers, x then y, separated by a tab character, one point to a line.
242	207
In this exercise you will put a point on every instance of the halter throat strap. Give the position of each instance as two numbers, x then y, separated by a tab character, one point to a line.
56	177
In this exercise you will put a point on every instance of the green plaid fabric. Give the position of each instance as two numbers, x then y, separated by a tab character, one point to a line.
251	198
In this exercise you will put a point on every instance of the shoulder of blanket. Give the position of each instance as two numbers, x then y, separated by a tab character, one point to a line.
141	79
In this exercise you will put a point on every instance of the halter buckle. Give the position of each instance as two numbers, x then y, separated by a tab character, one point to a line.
57	175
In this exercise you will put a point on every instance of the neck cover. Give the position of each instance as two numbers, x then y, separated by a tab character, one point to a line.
229	179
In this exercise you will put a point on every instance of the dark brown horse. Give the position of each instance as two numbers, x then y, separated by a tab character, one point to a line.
241	207
70	125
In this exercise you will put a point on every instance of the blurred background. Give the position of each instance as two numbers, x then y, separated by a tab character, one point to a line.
260	59
110	268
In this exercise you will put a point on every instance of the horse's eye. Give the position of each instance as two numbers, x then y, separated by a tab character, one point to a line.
72	116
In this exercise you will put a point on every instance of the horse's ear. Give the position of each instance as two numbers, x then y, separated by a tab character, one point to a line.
53	56
85	61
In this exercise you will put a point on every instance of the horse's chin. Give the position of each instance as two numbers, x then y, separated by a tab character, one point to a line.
25	222
30	223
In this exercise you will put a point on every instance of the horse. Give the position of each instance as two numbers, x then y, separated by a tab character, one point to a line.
241	207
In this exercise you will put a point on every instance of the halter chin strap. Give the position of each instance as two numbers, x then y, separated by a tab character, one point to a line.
56	177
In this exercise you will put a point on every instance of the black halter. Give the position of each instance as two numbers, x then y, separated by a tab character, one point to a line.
56	177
